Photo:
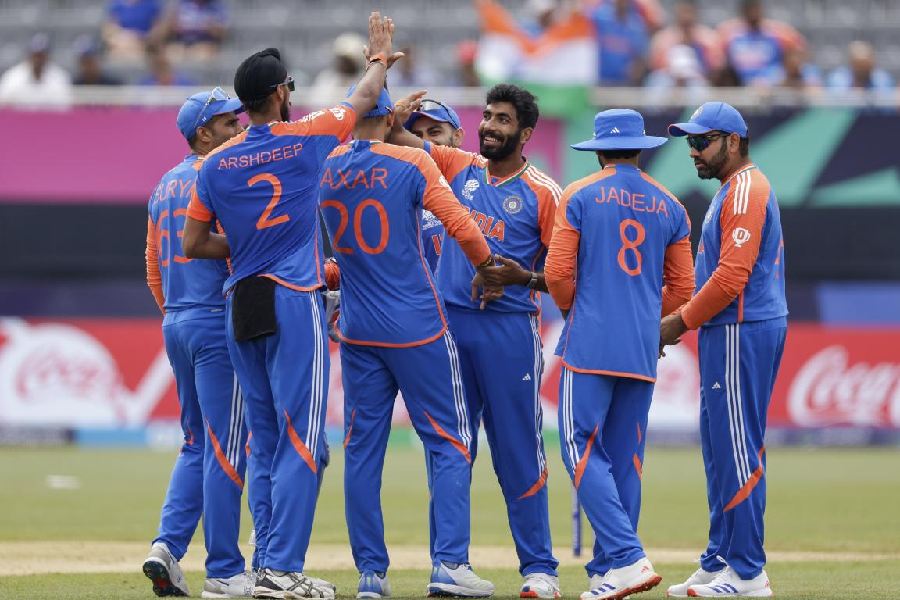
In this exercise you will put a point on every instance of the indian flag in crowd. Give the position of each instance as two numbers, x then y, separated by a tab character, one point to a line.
563	53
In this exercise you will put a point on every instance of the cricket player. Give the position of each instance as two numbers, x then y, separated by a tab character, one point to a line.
262	187
499	342
620	258
393	328
741	312
208	477
439	124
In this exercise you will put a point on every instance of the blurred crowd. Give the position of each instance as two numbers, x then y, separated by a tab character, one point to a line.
636	42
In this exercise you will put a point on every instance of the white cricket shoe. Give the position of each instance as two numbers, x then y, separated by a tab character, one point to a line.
624	581
699	577
287	584
457	581
373	585
727	584
540	585
237	586
165	573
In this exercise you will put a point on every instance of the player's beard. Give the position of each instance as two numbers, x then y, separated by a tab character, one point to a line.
713	168
499	153
286	110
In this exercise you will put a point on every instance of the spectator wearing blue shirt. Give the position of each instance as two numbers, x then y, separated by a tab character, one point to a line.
194	29
861	73
755	47
623	41
127	25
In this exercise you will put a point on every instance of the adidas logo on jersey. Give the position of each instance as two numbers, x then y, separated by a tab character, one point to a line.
716	386
527	377
615	130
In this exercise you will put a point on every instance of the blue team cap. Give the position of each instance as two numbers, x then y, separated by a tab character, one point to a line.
435	110
203	106
383	106
712	116
619	129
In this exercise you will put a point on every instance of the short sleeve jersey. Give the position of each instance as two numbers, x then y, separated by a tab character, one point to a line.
371	197
262	185
186	283
743	208
626	221
515	215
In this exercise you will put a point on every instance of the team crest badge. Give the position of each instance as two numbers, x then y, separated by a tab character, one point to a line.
512	204
469	188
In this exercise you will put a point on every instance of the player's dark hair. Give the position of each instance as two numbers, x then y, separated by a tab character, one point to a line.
257	105
744	147
527	111
617	154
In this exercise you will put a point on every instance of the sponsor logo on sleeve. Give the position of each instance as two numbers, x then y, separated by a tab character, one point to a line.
740	236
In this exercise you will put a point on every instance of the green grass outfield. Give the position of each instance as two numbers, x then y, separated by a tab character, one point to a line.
832	525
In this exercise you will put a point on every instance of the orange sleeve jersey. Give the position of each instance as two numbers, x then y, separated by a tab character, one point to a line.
371	197
740	262
178	283
262	187
620	256
514	213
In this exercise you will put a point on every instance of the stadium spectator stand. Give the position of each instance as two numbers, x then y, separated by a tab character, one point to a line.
306	29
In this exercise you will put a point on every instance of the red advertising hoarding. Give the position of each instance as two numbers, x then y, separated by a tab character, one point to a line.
114	372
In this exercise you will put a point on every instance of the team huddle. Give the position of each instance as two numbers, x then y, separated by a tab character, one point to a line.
438	260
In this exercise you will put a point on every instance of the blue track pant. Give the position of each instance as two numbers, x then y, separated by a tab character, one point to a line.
208	474
603	425
502	361
429	378
738	366
284	377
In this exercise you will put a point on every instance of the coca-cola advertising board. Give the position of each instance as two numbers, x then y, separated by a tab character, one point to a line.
114	373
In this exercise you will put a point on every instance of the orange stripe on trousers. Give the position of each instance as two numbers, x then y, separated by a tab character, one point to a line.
582	464
455	442
541	482
298	444
223	462
744	492
350	429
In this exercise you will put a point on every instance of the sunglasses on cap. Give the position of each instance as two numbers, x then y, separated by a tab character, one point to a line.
702	142
289	82
427	105
217	94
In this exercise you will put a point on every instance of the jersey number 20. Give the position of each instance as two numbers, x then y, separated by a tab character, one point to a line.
384	233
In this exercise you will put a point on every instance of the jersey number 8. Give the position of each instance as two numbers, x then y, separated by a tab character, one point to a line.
631	244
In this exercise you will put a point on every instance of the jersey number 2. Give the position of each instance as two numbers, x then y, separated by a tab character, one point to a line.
631	244
384	233
264	220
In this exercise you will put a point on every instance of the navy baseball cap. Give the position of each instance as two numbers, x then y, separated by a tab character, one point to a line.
383	106
203	106
619	129
435	110
712	116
